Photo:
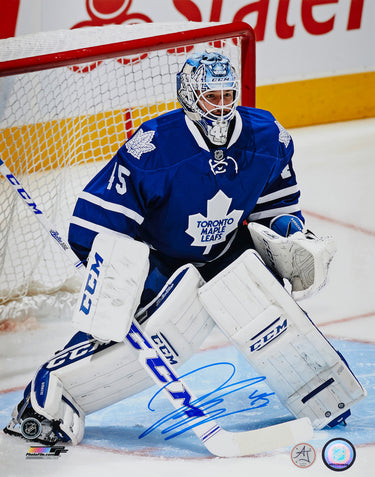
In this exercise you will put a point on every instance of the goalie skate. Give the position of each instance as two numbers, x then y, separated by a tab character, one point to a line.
26	423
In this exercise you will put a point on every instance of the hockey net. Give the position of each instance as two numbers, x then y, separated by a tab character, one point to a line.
68	100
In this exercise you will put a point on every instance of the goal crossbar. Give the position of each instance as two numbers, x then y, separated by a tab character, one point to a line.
131	47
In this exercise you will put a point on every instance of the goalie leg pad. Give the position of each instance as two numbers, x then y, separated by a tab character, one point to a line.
279	340
89	375
100	374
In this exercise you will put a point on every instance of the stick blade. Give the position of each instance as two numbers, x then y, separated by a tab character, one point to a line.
240	444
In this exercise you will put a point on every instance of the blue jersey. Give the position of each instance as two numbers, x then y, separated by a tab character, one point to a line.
169	189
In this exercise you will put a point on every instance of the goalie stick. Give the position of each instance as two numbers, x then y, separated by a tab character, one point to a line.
218	441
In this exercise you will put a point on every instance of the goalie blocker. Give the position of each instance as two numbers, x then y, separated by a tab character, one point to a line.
280	342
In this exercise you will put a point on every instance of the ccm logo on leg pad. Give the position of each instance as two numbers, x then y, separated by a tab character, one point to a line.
268	334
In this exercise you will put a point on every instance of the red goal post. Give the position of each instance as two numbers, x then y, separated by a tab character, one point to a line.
68	100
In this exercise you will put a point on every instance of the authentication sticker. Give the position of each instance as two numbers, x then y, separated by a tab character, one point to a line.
338	454
303	455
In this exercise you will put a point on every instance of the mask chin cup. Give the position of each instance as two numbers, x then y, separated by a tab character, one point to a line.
217	132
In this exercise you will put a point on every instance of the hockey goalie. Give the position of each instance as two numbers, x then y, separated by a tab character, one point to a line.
194	223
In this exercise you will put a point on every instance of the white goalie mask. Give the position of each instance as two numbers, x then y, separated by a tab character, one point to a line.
208	90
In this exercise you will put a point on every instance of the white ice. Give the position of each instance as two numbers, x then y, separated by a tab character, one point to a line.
335	165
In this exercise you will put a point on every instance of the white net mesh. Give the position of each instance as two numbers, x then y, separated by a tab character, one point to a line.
58	127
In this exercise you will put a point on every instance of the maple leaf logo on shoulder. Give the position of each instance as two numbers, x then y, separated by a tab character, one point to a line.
213	229
140	143
284	136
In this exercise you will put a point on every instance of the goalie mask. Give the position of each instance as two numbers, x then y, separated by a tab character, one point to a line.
208	91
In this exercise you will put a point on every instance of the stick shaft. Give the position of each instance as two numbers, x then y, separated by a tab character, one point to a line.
41	217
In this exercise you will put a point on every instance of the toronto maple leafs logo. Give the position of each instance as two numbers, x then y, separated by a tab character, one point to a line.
213	229
284	136
140	143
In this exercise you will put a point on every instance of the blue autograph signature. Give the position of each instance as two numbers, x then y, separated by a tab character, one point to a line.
212	403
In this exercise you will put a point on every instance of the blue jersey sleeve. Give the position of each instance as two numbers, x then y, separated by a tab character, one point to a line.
281	193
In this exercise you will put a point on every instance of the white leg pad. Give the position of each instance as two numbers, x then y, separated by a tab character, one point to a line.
95	375
278	339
